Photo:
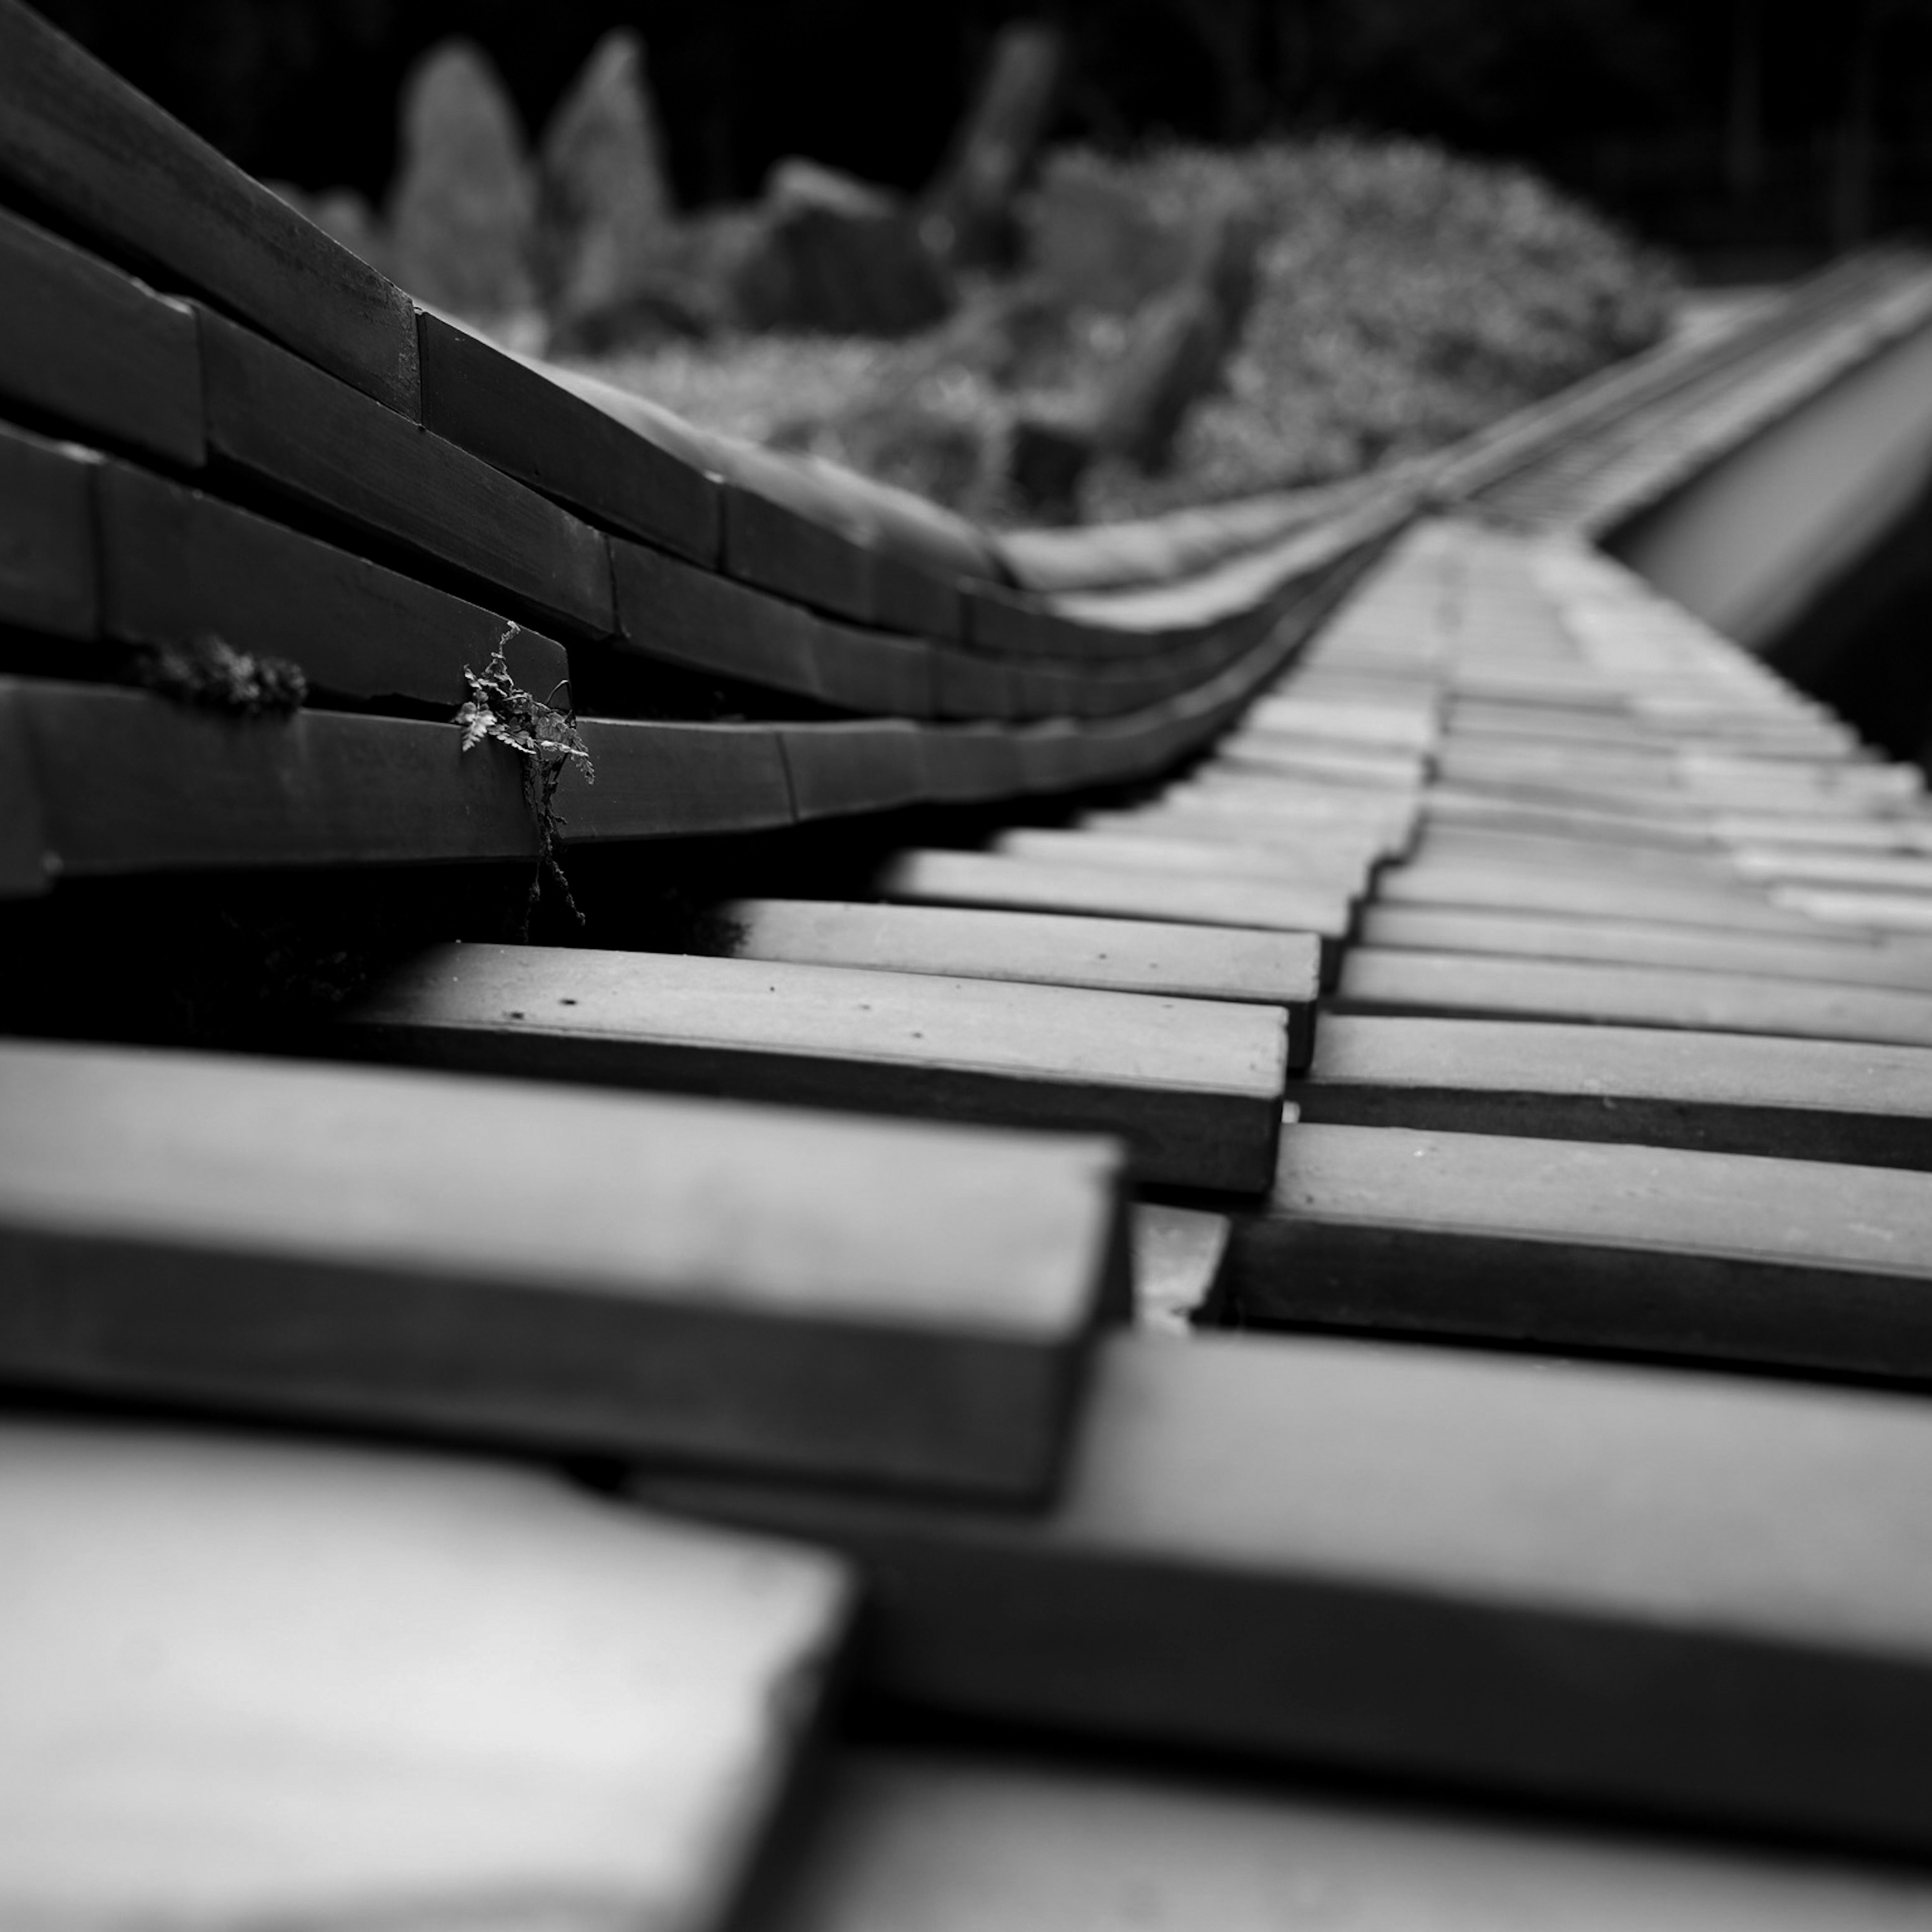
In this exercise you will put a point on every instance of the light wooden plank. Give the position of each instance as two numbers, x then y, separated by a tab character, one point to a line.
89	346
83	143
1124	955
1833	956
1449	803
1732	1257
1813	865
944	1840
1341	871
984	879
1906	913
1194	1086
898	1303
1680	1594
1801	1100
1177	1256
518	420
49	566
1374	980
330	445
249	1682
177	565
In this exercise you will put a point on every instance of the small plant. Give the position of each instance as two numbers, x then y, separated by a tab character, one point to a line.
213	675
546	739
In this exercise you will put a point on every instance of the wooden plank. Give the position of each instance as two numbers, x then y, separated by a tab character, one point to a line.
1731	1257
553	1267
1197	819
669	609
1902	872
177	566
518	420
1576	1583
970	684
1339	868
876	764
1500	986
966	764
1471	885
1177	1256
1677	830
1632	942
873	671
935	877
329	446
659	781
934	1838
92	347
1194	1086
1902	913
1534	847
774	546
1190	962
85	145
254	1682
1801	1099
48	569
24	871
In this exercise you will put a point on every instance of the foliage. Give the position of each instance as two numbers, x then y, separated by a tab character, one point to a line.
546	739
213	675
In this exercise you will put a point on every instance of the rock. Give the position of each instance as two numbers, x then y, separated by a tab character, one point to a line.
834	256
462	213
604	215
968	210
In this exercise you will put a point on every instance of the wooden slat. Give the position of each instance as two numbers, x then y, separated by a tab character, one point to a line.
1178	1253
943	1839
1801	1100
1633	942
1191	962
248	1682
1670	1592
777	547
520	422
48	569
873	764
1499	986
320	439
1734	1258
1194	1086
985	879
1330	864
178	564
24	870
92	347
551	1267
83	144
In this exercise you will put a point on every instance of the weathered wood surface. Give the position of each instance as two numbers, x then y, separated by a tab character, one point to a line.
320	439
1497	985
83	144
1193	1086
557	1268
1676	1594
48	562
1731	1257
88	345
1326	863
1178	1253
251	1682
944	1839
1191	962
1802	1099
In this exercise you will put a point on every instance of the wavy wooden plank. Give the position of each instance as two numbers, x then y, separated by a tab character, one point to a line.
275	1694
769	544
328	445
1673	1594
1500	986
178	564
518	420
49	566
1732	1257
875	764
1344	868
1801	1100
553	1267
1193	1086
88	345
930	1837
85	145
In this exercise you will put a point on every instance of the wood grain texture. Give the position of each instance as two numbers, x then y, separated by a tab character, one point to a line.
553	1267
777	547
1801	1100
1191	962
518	420
49	565
325	443
1731	1257
667	608
275	1695
85	145
1500	986
1633	942
943	1839
1341	871
669	780
872	765
1681	1594
178	564
93	347
1194	1086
